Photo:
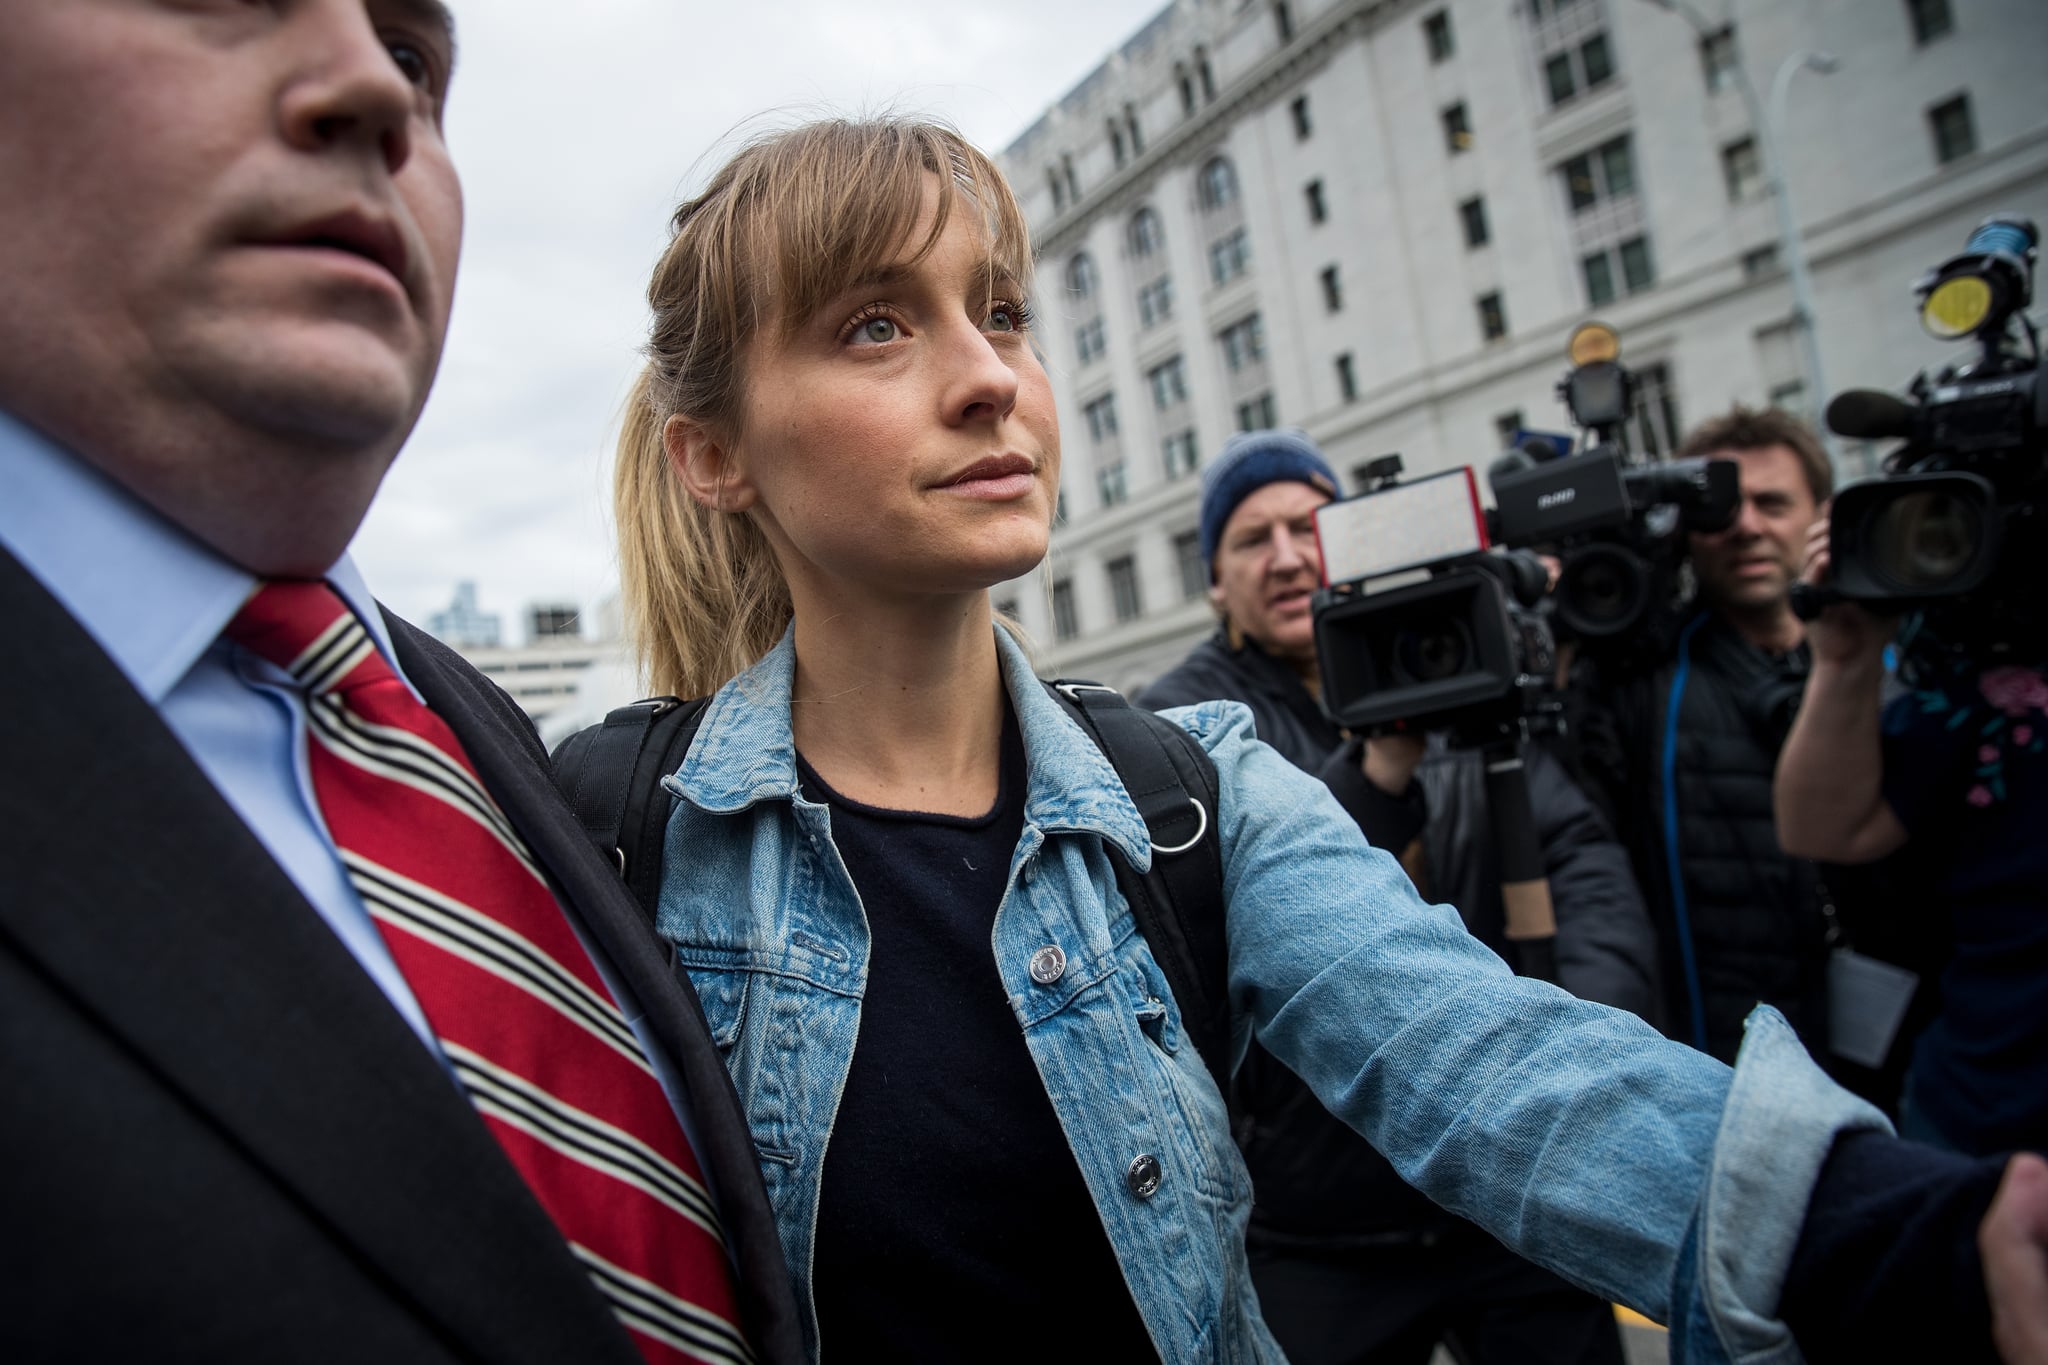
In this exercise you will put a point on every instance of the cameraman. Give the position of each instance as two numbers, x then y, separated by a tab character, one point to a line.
1350	1263
1952	774
1698	736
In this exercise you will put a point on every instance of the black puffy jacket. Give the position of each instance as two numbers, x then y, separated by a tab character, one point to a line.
1755	921
1317	1182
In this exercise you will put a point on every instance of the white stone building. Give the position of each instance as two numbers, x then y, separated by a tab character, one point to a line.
1379	220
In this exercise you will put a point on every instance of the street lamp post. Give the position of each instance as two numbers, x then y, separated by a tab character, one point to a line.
1767	121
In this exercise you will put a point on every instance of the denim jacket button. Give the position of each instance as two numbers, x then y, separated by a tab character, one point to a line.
1143	1175
1048	964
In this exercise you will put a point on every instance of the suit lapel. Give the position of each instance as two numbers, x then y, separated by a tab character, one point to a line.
126	877
513	767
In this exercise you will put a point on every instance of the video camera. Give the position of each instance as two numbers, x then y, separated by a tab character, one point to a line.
1950	534
1418	625
1615	522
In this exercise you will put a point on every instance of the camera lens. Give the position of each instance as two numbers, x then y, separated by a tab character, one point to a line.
1440	650
1602	591
1924	541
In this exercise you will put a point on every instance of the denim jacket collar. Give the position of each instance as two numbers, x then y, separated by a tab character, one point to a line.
745	753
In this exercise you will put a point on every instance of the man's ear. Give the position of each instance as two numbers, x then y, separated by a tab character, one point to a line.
709	470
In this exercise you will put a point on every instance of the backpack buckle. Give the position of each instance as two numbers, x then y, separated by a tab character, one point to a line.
1201	828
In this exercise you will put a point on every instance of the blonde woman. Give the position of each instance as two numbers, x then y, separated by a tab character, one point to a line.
984	1132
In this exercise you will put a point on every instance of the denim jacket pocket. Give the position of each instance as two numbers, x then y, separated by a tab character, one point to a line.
722	989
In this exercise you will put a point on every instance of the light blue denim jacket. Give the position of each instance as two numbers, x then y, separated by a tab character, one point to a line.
1634	1166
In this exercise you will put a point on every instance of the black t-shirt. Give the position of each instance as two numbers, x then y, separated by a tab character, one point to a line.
953	1223
1966	773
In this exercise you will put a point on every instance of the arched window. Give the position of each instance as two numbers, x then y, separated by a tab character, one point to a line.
1146	234
1081	275
1218	185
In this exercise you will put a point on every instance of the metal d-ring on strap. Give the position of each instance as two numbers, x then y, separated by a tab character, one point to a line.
1201	828
1072	691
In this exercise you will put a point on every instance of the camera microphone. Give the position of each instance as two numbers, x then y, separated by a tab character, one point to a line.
1870	414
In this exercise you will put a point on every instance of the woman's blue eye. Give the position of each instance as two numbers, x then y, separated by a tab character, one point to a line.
878	329
1003	320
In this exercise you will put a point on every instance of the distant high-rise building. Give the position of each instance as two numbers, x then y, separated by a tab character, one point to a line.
553	621
462	625
1379	221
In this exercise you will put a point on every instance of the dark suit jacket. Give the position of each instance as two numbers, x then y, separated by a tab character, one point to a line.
218	1141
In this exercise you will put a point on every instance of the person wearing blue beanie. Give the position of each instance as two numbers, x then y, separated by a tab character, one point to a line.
1351	1266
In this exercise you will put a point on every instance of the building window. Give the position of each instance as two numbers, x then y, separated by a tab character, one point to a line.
1194	574
1089	341
1177	454
1742	168
1333	290
1204	74
1066	622
1318	211
1954	135
1217	185
1347	378
1073	181
1229	257
1102	419
1145	234
1059	191
1137	135
1116	144
1187	87
1244	343
1472	213
1123	588
1761	261
1720	63
1283	19
1155	302
1606	172
1257	414
1457	129
1109	482
1931	19
1436	32
1493	316
1655	429
1636	271
1169	383
1081	276
1587	67
1298	108
1599	273
1506	427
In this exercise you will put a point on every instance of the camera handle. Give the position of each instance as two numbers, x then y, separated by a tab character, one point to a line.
1524	889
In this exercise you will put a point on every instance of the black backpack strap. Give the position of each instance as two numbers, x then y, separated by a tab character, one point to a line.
611	774
1179	903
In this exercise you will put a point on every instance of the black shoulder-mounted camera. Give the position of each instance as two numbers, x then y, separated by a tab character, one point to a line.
1419	626
1615	523
1950	535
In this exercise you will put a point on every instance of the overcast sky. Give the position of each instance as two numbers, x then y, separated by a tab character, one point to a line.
577	129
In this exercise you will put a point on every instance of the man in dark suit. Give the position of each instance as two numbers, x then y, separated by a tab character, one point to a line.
236	1125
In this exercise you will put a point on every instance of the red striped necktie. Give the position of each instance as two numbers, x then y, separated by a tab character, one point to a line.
522	1014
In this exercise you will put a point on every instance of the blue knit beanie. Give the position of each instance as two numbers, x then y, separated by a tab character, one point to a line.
1249	461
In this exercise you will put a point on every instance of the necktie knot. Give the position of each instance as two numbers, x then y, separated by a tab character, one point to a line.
304	627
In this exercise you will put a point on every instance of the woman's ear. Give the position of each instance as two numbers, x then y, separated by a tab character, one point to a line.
707	467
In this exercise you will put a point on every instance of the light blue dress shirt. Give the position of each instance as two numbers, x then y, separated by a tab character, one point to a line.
157	600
